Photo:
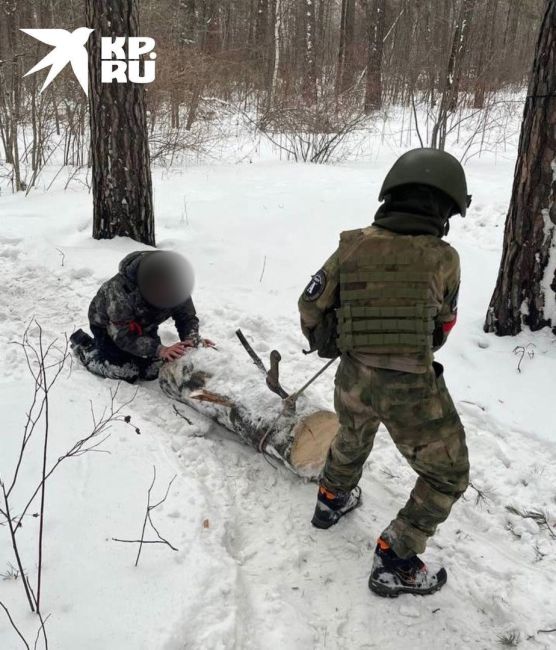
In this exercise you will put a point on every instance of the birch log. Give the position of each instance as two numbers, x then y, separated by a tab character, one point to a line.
239	400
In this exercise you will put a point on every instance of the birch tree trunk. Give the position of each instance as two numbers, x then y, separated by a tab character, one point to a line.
300	440
526	286
310	64
122	188
277	45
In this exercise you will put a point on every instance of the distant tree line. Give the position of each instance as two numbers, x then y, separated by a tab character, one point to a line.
273	56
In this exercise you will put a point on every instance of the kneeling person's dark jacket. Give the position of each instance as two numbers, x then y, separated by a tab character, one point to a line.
120	312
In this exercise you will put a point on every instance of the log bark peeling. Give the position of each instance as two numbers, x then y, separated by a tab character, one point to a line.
300	440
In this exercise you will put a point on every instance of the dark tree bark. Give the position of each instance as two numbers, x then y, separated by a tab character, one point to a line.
525	291
10	86
122	188
375	34
346	67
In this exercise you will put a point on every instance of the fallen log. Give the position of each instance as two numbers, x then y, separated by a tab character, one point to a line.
231	392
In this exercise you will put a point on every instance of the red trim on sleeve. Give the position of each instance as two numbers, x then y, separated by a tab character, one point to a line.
448	327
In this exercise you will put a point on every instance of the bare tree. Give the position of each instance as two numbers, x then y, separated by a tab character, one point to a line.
346	68
310	94
256	54
453	73
375	34
486	52
122	188
526	286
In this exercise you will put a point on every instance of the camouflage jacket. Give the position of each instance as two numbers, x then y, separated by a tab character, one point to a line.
131	322
321	299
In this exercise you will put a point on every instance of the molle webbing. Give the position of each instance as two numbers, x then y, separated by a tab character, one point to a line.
385	304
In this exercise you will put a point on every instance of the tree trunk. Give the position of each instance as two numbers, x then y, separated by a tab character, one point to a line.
300	440
526	286
512	22
346	68
375	34
310	63
486	53
122	188
10	87
277	45
448	103
187	22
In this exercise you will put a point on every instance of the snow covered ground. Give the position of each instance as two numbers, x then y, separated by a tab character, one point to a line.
251	573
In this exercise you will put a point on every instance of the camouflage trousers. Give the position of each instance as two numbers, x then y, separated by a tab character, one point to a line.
102	357
422	420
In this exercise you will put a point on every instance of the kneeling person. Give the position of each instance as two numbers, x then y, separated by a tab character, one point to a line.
150	288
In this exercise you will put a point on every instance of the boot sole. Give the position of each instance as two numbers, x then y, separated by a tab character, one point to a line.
322	524
382	590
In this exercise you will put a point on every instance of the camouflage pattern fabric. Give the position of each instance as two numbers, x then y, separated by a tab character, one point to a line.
372	248
103	358
420	416
129	321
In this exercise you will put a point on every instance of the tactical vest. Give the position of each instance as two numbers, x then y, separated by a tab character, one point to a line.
386	295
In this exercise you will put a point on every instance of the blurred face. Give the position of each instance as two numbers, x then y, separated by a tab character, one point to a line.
165	280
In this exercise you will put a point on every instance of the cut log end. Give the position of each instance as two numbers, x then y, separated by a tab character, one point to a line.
312	437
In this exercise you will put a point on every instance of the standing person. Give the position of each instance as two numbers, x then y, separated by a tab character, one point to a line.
149	288
386	300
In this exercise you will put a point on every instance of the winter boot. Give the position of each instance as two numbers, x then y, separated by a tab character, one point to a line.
331	507
80	339
391	575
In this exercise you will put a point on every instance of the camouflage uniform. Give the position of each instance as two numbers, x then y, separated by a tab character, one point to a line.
125	327
393	301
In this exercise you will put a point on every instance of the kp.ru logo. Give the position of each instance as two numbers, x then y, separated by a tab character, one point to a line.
115	65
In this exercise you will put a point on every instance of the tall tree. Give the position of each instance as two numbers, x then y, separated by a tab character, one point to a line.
485	62
310	63
525	291
10	87
122	187
375	35
346	59
453	73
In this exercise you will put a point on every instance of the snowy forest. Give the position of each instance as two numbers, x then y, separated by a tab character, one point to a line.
217	221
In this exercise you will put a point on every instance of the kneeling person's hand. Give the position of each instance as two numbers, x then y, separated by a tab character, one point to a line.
173	352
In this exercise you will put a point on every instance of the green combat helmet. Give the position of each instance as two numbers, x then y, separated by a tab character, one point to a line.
165	279
433	168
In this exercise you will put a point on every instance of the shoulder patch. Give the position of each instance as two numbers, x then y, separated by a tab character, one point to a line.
316	287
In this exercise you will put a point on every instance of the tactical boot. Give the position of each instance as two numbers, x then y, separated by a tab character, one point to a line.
391	575
80	339
331	507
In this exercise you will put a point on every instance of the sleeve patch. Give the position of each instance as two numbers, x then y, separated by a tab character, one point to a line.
316	287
